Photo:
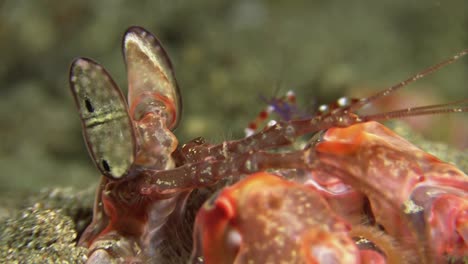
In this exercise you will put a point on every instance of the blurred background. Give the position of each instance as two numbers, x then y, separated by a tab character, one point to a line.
226	54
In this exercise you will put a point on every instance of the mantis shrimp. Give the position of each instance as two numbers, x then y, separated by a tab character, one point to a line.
147	178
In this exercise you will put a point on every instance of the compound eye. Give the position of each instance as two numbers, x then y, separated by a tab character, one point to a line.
150	75
107	127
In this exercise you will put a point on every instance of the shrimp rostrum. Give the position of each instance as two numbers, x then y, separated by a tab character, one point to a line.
303	205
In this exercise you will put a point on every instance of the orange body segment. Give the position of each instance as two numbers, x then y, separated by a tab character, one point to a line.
415	197
275	221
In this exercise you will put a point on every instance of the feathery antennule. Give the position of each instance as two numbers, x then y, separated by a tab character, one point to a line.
353	107
283	107
451	107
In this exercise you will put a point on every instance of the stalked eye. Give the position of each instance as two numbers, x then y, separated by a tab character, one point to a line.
107	127
150	76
